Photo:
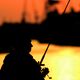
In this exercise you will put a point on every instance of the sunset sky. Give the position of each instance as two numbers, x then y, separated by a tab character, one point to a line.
11	10
62	61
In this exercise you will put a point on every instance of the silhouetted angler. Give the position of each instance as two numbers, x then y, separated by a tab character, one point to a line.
19	64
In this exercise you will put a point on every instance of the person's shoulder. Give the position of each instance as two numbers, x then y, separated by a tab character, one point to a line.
8	57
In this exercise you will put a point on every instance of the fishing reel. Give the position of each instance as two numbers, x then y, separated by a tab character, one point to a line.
45	71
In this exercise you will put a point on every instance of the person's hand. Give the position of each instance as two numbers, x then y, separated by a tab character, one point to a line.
45	71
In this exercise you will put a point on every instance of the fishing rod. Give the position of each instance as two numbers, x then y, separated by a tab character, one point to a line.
44	55
49	43
66	6
40	63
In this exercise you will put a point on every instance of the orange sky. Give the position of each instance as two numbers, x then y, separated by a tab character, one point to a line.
64	62
11	10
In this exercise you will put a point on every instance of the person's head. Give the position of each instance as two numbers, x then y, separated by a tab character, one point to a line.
28	45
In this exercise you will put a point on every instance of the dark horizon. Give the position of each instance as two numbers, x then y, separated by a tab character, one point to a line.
57	29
